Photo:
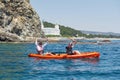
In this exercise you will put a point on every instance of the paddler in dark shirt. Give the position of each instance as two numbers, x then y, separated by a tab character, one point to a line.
70	46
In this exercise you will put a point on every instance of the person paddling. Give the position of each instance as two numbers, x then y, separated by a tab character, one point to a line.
40	46
70	46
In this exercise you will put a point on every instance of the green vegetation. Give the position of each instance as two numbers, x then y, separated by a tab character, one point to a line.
52	36
48	24
70	32
64	31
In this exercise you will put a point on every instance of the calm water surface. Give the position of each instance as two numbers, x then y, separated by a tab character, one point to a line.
16	65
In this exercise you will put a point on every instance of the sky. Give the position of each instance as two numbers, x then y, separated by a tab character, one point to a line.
90	15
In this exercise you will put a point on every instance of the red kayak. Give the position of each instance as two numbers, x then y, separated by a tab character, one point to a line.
76	55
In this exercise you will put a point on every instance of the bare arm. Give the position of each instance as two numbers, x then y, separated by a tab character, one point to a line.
73	42
36	43
45	43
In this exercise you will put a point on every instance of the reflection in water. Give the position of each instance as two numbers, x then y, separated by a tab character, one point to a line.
88	60
92	60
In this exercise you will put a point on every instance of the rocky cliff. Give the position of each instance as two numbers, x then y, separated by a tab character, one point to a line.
18	21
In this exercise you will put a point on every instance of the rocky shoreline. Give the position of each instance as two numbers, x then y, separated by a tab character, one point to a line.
64	39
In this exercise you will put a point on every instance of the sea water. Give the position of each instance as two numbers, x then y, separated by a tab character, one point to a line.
16	65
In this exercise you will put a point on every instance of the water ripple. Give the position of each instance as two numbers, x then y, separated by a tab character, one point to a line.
16	65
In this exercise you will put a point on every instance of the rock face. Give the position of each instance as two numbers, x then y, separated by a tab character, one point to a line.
18	21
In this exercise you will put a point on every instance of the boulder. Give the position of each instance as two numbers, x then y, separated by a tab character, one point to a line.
18	20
